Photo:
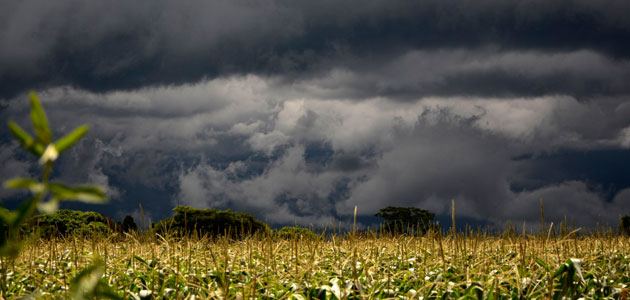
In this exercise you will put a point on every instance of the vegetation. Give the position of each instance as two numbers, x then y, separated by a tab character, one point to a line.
406	219
187	220
296	232
471	265
67	222
128	224
46	198
624	225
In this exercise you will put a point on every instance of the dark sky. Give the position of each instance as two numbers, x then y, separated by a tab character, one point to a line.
298	110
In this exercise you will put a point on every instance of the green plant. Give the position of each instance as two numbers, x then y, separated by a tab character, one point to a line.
46	196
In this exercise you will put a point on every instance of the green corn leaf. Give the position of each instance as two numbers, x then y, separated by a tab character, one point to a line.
90	194
5	216
24	211
49	207
89	284
25	183
40	122
563	268
83	286
87	194
105	291
25	139
140	259
542	263
70	139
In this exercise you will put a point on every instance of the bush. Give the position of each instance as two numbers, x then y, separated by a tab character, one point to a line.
296	232
66	222
187	220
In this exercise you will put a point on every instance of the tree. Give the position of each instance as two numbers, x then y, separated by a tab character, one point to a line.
129	224
624	224
406	219
296	232
66	222
187	220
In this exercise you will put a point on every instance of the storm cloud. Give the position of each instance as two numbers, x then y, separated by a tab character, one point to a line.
297	111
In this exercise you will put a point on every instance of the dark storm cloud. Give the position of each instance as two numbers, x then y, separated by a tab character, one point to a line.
297	111
253	144
481	72
604	171
122	45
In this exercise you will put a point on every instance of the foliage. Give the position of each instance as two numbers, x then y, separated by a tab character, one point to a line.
474	265
67	222
12	222
296	232
188	220
406	219
129	224
624	225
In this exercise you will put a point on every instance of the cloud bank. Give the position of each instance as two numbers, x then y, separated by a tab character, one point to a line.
297	111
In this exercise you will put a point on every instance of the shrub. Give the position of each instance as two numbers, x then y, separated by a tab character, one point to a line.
187	220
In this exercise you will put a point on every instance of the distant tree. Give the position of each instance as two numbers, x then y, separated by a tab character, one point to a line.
66	222
129	224
406	219
296	232
624	225
187	220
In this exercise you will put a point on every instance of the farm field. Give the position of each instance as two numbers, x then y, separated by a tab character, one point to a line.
467	266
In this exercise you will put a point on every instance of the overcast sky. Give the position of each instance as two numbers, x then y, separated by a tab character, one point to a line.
298	110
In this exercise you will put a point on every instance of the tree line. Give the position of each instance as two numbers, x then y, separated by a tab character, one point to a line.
187	220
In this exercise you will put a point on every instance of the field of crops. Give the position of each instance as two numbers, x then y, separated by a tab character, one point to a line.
470	266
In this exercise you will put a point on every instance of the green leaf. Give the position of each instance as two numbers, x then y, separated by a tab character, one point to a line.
25	183
87	194
37	294
542	263
24	211
89	284
40	122
563	268
6	217
140	259
26	139
106	291
49	207
70	139
83	286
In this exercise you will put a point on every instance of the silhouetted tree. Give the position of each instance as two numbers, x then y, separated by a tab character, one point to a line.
624	225
66	222
187	220
406	219
129	224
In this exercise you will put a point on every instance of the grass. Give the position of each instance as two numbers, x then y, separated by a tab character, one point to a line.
474	265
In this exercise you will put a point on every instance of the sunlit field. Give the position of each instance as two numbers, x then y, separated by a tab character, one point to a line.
471	265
